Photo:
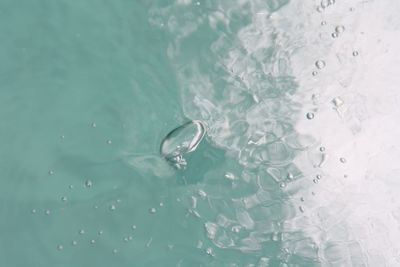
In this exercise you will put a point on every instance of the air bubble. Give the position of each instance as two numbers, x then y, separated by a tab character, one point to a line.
100	232
229	176
60	247
301	209
133	227
47	212
322	149
323	23
202	194
92	241
130	237
236	229
62	136
314	73
319	176
282	185
94	125
161	204
112	207
209	251
88	183
320	64
126	239
182	140
339	29
355	53
51	172
33	211
115	250
81	232
74	243
310	115
109	142
152	210
335	35
71	186
315	181
343	160
290	176
64	199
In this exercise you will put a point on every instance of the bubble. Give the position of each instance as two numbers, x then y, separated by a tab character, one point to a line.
236	229
319	176
71	186
47	212
126	239
320	9
60	247
182	140
209	251
197	3
112	207
133	227
322	149
275	236
109	142
88	183
64	199
62	136
355	53
115	250
92	241
229	176
302	199
74	243
51	172
315	181
343	160
314	73
152	210
335	35
310	115
93	125
161	204
130	237
290	176
320	64
202	194
323	23
33	211
81	232
301	209
100	232
339	29
282	185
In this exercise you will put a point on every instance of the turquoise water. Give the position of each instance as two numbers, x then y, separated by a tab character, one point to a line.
289	102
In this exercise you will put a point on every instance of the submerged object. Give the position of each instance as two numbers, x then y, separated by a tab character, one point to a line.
182	140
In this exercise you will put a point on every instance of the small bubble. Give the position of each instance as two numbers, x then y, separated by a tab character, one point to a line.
320	64
345	176
51	172
322	149
62	136
130	237
71	186
197	3
74	243
315	181
88	183
209	251
92	241
314	73
64	199
152	210
355	53
229	176
60	247
323	23
133	227
290	176
275	236
343	160
93	124
282	185
301	209
320	9
302	199
112	207
109	142
100	232
335	35
33	211
161	204
47	212
319	176
81	232
339	29
126	239
236	229
351	9
115	250
310	115
202	194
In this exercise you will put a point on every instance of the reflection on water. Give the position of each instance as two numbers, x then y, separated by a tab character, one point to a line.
295	93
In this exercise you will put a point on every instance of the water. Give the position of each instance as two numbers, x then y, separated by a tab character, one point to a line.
199	133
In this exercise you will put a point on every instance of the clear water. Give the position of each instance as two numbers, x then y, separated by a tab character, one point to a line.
298	165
